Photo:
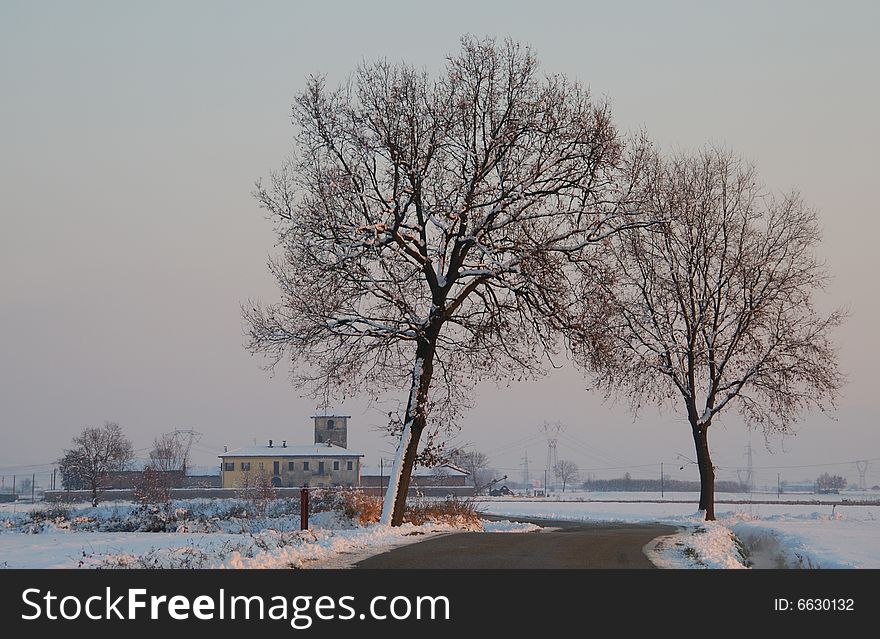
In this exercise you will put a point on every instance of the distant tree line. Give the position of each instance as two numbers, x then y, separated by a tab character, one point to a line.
653	485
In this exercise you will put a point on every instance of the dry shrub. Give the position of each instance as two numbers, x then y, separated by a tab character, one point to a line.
257	489
361	507
153	488
455	512
367	509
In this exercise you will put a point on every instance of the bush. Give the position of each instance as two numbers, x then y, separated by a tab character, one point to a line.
53	513
367	509
257	489
361	507
153	489
456	512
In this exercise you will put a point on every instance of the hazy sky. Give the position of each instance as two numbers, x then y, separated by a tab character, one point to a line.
131	135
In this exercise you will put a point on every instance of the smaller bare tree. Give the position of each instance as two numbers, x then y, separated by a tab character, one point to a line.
97	452
476	464
714	308
168	462
171	453
567	472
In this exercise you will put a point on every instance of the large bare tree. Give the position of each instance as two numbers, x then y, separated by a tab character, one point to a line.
426	225
96	452
713	308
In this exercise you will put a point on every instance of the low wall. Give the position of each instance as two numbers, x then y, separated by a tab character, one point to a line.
228	493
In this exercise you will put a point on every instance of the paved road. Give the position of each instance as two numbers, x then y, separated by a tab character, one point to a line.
571	545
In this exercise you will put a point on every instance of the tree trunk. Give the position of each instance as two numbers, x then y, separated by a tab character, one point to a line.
414	423
707	472
94	496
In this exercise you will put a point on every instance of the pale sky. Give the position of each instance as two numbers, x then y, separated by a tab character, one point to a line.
131	135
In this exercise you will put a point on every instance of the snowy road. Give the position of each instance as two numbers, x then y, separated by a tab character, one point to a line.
560	545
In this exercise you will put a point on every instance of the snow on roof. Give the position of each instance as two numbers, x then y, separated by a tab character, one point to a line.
419	471
312	450
329	412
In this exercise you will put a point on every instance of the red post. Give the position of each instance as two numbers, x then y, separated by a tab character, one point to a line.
304	508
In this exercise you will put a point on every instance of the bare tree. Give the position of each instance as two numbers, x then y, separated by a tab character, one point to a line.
476	464
566	471
169	458
170	452
96	452
830	483
426	226
714	307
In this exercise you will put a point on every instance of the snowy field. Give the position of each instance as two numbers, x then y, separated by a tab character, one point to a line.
203	534
757	496
752	535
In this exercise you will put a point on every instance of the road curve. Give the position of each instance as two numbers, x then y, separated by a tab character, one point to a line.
566	545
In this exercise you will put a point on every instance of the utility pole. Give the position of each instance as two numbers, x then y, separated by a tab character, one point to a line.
545	482
33	486
661	479
54	470
778	485
526	472
381	475
13	486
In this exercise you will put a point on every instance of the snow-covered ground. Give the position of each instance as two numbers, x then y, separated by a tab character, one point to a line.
758	535
207	535
217	533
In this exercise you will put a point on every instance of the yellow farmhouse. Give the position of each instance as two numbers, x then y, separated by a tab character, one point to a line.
326	462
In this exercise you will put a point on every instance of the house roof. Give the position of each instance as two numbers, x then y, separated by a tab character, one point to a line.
450	470
312	450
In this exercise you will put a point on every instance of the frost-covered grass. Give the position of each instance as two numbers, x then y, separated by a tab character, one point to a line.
192	515
759	536
202	534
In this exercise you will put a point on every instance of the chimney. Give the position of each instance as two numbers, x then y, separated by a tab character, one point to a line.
226	449
284	444
270	443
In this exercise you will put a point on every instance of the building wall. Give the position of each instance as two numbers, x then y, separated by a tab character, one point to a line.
332	428
418	480
298	475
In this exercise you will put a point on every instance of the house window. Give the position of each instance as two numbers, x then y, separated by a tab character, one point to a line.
261	466
245	465
320	468
229	466
350	466
289	465
305	465
275	468
330	424
336	465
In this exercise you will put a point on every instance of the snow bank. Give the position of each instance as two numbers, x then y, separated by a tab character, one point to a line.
700	544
